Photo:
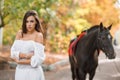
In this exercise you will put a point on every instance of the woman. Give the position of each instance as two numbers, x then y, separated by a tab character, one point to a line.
28	50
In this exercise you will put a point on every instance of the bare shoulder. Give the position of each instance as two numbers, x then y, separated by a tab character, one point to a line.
19	34
39	37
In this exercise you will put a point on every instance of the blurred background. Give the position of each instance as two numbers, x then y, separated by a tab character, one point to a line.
62	20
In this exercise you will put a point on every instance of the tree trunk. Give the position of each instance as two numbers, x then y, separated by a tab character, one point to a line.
1	29
1	36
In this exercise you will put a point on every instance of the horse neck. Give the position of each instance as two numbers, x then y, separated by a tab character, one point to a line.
91	44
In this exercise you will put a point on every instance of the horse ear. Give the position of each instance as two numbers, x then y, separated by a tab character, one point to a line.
101	27
101	24
110	27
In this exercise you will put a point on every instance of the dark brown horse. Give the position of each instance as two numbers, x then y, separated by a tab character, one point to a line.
84	59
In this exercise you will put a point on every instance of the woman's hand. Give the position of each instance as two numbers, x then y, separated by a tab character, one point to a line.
28	56
16	60
27	61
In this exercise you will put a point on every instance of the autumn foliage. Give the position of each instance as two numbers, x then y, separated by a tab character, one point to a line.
62	20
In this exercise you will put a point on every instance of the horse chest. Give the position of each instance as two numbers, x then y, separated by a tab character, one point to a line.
89	65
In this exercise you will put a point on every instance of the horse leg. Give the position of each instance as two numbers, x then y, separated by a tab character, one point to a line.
77	74
91	75
72	64
73	73
82	75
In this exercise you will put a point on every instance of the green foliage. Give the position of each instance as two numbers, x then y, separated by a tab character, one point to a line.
13	14
61	20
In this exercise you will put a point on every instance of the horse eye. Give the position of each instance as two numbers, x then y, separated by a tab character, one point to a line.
103	38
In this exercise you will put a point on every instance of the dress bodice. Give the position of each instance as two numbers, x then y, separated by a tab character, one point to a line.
26	47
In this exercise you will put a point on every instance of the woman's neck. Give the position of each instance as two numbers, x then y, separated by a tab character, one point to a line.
30	32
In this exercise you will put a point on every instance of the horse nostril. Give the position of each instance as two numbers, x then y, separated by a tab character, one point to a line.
113	56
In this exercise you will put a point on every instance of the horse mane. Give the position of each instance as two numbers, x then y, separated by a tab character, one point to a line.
93	28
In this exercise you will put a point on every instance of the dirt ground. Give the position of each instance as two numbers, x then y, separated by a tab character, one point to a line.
104	72
61	73
51	58
107	70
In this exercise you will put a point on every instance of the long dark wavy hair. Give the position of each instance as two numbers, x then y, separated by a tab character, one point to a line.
38	26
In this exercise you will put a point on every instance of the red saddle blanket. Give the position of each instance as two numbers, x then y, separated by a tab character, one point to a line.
73	44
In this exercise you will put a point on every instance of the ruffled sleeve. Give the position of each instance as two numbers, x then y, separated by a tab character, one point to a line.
14	50
39	55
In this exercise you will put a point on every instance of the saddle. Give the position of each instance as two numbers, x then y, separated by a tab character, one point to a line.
74	42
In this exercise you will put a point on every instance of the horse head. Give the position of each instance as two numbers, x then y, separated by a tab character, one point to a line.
105	41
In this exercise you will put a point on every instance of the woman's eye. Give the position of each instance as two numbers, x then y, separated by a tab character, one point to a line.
32	21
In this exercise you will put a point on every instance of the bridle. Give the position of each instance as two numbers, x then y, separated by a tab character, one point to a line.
100	44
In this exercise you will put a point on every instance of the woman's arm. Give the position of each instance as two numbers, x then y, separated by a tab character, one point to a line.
26	56
27	61
14	50
39	55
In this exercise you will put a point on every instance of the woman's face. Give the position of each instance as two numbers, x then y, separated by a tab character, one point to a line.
30	23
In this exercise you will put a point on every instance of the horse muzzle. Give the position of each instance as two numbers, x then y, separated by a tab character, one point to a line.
111	55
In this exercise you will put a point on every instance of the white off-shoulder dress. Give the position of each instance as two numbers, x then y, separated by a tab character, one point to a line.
33	71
